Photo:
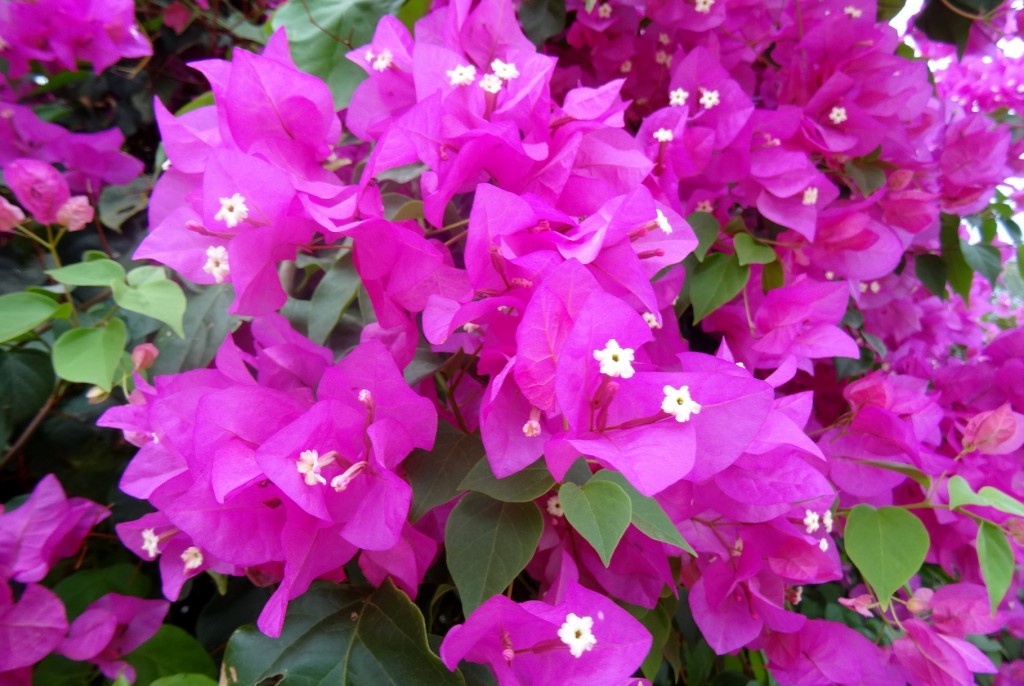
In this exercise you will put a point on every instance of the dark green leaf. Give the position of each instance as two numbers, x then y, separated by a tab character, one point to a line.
57	670
749	251
525	485
867	177
706	227
333	295
22	312
26	380
659	623
435	475
714	282
959	272
984	259
772	276
542	19
646	514
185	680
887	9
488	543
942	24
341	635
118	204
931	270
171	651
206	323
90	355
887	545
600	511
82	588
997	562
316	29
412	11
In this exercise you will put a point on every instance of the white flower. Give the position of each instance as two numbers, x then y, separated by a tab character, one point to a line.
554	506
626	66
823	545
504	70
604	10
830	275
368	55
703	6
150	543
662	221
662	57
678	97
664	38
837	115
679	404
652	320
705	206
309	465
810	195
709	98
232	210
812	522
826	520
461	75
853	12
217	264
491	83
875	287
577	633
165	165
193	558
383	60
663	135
615	361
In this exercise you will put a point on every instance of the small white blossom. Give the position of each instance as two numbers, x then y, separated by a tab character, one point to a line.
491	83
875	287
678	97
837	115
217	264
709	98
863	288
577	633
830	275
150	543
705	206
663	223
810	195
853	12
369	55
664	38
663	135
604	10
826	521
823	545
461	75
652	320
232	211
504	70
703	6
662	57
383	60
531	429
193	558
554	506
679	404
626	66
615	361
309	464
812	522
165	165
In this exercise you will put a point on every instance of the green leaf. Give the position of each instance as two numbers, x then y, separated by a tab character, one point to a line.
960	273
205	324
488	543
171	651
26	380
523	486
185	680
162	300
90	355
541	19
82	588
340	635
887	9
435	475
997	562
118	204
714	282
22	312
772	277
749	251
931	271
57	670
316	29
907	470
646	513
867	177
706	227
659	623
333	295
984	259
412	11
887	545
942	24
600	511
961	494
1001	501
92	273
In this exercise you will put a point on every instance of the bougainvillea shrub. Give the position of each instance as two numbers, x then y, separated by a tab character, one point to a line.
495	342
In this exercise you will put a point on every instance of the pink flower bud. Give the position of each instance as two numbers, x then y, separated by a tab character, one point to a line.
75	213
39	188
143	356
900	178
995	432
10	216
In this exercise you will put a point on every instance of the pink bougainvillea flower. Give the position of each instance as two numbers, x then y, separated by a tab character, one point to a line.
39	188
